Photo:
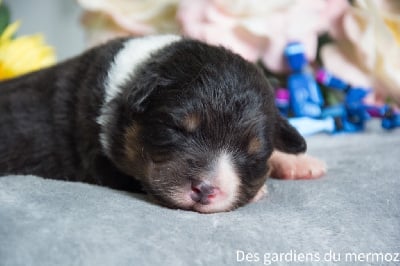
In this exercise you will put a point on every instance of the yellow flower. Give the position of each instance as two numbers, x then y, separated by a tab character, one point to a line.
23	54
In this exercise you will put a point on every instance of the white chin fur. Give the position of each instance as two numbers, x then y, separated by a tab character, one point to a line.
125	64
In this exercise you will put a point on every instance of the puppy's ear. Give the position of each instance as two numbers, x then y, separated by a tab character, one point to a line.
286	138
136	97
137	93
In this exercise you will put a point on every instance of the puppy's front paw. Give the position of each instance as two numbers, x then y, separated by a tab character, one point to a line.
290	166
260	194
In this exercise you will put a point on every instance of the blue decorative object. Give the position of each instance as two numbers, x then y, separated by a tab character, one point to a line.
327	79
305	95
309	126
304	99
295	56
351	115
390	118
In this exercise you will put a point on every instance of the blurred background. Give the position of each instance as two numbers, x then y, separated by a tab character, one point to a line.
326	46
58	20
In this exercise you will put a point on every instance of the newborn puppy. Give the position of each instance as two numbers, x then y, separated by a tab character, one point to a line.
193	125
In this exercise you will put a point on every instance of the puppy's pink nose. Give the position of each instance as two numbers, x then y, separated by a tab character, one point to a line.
202	192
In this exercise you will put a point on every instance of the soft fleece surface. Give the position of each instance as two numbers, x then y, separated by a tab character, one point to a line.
355	208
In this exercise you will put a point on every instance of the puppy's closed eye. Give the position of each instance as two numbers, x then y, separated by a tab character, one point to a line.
131	136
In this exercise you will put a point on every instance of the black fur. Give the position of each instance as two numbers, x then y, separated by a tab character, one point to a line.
48	120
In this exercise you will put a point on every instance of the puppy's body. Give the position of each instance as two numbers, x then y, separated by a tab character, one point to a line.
48	122
192	124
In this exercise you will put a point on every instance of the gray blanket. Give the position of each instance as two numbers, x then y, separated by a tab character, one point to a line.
349	217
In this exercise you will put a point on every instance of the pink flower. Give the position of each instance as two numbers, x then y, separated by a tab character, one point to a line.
260	29
367	48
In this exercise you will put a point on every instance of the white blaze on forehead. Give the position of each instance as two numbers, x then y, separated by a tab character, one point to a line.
124	67
226	177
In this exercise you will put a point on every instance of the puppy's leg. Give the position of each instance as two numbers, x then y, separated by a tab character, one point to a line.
291	166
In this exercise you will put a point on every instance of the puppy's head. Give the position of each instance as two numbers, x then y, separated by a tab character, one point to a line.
196	125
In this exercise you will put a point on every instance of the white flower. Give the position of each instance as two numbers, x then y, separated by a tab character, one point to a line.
367	49
105	19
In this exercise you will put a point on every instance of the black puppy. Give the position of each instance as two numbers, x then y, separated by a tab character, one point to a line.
191	124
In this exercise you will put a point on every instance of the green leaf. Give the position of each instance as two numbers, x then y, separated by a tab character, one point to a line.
4	17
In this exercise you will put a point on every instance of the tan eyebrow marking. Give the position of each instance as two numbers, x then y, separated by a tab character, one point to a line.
191	122
254	145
